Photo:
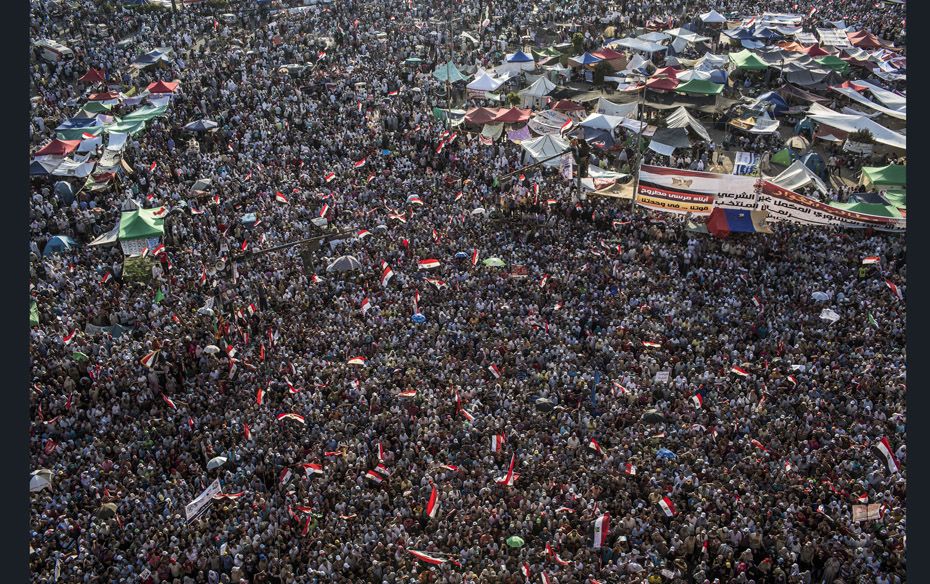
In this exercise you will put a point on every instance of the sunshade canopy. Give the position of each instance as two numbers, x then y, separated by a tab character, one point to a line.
140	224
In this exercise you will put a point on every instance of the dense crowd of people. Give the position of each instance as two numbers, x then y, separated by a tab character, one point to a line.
618	359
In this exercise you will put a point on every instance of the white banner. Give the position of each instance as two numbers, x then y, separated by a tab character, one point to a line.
567	168
198	505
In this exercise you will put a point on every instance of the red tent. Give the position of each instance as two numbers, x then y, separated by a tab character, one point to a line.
662	83
816	51
481	115
864	40
792	46
512	116
608	54
853	86
163	87
105	96
93	76
565	105
59	148
666	72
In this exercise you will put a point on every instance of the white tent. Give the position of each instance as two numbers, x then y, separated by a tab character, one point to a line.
900	114
851	123
539	88
680	118
545	147
484	82
685	34
713	17
601	122
765	125
693	74
621	110
890	99
796	176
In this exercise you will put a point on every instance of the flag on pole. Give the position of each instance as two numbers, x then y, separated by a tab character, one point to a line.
555	557
169	402
329	176
291	416
247	431
739	371
153	166
698	400
629	468
544	280
69	337
894	289
106	277
360	163
593	445
510	478
432	506
259	396
386	273
494	371
869	260
285	476
568	124
357	360
667	506
474	257
373	476
884	448
601	528
525	570
424	557
311	468
362	234
428	264
366	306
279	197
149	359
497	442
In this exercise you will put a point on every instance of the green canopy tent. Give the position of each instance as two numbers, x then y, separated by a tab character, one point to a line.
494	263
782	157
897	198
140	229
748	61
870	209
833	63
145	114
96	107
448	72
130	127
699	87
884	176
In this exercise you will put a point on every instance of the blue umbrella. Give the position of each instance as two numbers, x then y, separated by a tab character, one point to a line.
461	255
418	318
666	454
201	126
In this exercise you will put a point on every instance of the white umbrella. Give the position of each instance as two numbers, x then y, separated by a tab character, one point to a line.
344	264
41	479
216	462
479	211
204	311
211	349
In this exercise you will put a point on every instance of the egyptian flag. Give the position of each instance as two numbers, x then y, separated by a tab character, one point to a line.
466	415
601	528
451	467
311	469
739	371
203	276
414	200
793	379
285	476
813	10
884	448
290	386
357	360
863	498
866	261
408	393
259	396
228	496
651	344
315	279
629	468
362	234
509	479
497	442
360	163
667	506
458	196
158	249
69	337
428	264
386	273
153	166
525	570
373	476
432	506
545	578
439	284
758	445
366	306
329	176
393	93
324	210
279	197
247	431
698	400
424	557
149	359
106	277
568	124
474	257
555	557
380	452
291	416
894	289
564	510
494	371
593	445
544	280
169	402
442	144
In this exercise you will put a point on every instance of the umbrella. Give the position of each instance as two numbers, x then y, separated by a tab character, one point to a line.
216	462
515	541
461	255
820	296
479	211
211	349
653	417
414	60
204	311
666	454
106	511
344	264
418	318
798	143
201	126
202	184
544	404
41	479
494	263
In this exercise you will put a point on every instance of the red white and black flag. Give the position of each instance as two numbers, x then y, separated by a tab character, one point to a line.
601	529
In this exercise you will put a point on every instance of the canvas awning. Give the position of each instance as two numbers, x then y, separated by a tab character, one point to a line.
140	224
545	147
798	175
680	118
884	176
700	87
747	60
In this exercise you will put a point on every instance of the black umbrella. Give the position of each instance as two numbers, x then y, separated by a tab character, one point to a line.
653	417
544	404
201	126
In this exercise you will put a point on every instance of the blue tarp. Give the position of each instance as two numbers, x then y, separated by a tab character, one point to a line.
587	59
781	106
813	161
520	57
77	124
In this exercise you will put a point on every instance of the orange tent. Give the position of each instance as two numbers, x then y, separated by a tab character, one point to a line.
163	87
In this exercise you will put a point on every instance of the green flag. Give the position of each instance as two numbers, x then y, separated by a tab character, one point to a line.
79	356
872	320
34	314
159	296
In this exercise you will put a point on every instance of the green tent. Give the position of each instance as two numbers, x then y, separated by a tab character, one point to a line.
448	71
869	209
140	224
891	175
145	114
130	127
897	198
34	314
494	263
833	63
747	60
782	157
700	87
77	133
96	107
